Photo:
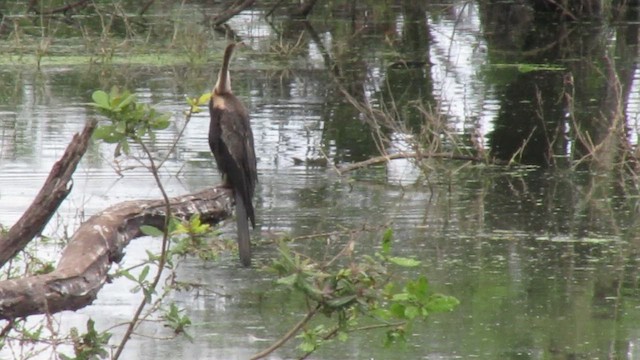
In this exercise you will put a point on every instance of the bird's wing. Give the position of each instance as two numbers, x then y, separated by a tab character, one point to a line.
234	135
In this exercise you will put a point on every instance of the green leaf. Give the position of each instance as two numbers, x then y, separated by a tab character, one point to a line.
151	230
144	273
387	237
124	145
108	134
397	310
404	262
121	128
419	288
341	301
204	99
410	312
127	274
126	101
101	99
401	297
441	303
288	280
162	122
343	336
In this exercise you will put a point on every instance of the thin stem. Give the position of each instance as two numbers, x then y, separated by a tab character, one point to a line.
175	143
163	254
6	329
287	336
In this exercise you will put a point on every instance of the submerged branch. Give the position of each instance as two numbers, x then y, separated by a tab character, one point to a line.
403	155
99	242
53	192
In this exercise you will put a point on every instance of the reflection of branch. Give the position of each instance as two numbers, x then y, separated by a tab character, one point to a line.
386	158
328	61
304	9
62	9
146	7
53	192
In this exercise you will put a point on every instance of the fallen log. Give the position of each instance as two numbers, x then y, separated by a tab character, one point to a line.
99	242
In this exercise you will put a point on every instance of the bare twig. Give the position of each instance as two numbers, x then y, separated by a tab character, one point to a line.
232	11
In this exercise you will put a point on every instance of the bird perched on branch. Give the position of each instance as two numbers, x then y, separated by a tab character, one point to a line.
231	141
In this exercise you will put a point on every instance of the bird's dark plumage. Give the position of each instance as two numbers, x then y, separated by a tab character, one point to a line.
231	141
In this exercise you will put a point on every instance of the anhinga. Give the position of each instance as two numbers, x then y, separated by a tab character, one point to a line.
231	141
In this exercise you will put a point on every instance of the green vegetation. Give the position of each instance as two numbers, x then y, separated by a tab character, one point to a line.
357	293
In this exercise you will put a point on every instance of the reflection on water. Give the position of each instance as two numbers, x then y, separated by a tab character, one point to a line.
543	260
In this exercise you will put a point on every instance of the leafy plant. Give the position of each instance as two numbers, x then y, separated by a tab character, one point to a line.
130	120
361	289
176	321
90	345
196	103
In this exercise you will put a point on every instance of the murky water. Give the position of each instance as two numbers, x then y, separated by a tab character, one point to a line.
543	260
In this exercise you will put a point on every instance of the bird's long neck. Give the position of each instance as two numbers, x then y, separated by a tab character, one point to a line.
223	85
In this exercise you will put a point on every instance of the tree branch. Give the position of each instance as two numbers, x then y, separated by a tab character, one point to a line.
234	10
53	192
98	243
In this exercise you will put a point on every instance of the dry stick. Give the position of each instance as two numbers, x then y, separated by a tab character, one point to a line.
53	192
287	336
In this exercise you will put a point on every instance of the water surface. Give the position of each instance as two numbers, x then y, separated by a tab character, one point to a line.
542	258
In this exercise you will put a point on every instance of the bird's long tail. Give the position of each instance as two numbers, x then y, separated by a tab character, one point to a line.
244	241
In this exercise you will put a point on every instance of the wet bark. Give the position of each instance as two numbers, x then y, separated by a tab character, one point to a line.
99	242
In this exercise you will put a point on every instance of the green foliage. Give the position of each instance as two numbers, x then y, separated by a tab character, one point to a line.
190	238
176	321
90	345
141	281
130	120
360	288
151	230
196	103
